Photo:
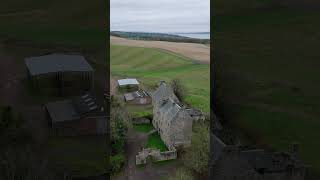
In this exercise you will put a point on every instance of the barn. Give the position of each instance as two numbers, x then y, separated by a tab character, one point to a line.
128	84
77	116
140	97
60	74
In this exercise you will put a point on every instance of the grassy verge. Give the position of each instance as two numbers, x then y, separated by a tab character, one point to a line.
144	128
154	141
138	114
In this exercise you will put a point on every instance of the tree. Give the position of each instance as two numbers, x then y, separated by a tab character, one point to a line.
197	156
178	89
182	174
119	125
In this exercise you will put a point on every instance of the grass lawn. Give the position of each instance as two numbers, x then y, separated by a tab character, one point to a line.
140	110
142	114
82	156
267	74
150	66
144	128
154	141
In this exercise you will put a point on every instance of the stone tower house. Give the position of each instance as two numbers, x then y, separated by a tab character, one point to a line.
170	119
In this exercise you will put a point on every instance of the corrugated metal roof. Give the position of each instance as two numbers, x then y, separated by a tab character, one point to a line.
57	63
124	82
72	109
62	111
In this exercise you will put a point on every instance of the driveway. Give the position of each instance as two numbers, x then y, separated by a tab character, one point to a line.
135	142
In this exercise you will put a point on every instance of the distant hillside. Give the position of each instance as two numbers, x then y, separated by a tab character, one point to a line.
157	37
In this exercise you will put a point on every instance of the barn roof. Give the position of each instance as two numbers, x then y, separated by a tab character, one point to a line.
62	111
136	94
170	109
72	109
162	93
124	82
57	63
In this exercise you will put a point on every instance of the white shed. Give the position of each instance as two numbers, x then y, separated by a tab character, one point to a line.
128	82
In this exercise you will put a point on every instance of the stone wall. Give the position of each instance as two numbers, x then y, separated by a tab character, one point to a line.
155	155
141	120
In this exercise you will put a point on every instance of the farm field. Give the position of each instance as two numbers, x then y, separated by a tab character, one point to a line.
193	51
150	66
53	22
268	73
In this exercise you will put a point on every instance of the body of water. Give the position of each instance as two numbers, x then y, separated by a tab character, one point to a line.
194	35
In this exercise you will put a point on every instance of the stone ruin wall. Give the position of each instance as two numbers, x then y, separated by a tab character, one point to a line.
155	155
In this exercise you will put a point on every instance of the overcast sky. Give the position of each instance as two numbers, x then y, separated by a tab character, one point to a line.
160	15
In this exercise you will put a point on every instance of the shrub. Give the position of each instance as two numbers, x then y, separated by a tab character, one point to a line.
178	89
182	174
117	162
197	157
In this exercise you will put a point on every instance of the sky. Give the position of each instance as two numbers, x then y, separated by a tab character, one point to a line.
162	16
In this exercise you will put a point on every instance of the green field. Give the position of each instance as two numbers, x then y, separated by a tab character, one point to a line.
268	75
155	141
150	66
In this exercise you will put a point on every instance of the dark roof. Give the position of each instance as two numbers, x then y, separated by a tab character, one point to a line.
164	92
135	94
57	63
62	111
85	104
230	164
218	147
73	109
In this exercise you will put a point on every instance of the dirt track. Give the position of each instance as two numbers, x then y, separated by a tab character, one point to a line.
194	51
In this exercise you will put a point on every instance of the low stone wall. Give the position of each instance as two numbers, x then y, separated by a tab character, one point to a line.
155	155
141	121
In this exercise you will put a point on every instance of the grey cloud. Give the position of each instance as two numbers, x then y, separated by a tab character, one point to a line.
160	16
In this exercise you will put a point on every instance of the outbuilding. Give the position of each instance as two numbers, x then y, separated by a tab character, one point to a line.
140	97
128	84
77	116
60	73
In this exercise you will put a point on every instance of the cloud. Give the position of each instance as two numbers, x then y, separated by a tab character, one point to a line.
160	16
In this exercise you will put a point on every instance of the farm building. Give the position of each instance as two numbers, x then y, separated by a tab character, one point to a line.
231	162
128	84
140	97
171	120
78	116
60	73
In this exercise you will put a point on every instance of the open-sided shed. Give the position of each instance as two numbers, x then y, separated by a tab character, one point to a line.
62	72
81	115
128	84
